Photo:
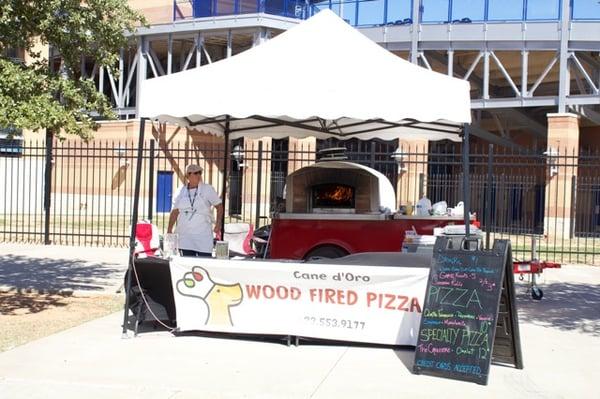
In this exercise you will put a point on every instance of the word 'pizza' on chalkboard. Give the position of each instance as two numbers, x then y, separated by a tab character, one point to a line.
458	322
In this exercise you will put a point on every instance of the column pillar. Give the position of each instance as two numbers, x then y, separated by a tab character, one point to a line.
301	153
562	157
257	175
412	171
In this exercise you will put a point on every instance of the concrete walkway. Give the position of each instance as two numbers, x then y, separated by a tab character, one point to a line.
560	340
82	270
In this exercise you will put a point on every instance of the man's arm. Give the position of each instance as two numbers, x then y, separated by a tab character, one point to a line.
218	226
172	219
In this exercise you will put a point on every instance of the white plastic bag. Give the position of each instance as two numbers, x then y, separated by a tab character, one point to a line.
440	208
424	207
459	209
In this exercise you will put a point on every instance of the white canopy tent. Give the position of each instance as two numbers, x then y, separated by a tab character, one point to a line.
321	78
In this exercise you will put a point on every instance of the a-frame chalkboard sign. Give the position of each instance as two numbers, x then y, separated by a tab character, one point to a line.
469	315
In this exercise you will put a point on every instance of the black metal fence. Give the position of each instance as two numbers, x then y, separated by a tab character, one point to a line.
553	198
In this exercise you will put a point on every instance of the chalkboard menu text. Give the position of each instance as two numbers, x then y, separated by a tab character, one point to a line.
459	317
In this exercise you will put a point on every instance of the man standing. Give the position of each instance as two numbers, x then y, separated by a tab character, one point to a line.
192	211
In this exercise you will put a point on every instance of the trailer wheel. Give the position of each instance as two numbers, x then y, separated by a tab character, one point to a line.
326	252
537	293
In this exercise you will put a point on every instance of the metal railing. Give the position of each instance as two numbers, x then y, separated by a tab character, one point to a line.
186	9
398	12
515	195
395	12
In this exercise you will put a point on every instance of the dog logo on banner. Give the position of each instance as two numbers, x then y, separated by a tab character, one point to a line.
219	298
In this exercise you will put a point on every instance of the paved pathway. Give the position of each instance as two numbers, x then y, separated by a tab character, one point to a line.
79	269
560	340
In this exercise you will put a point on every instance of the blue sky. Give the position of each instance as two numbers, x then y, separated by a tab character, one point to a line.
371	11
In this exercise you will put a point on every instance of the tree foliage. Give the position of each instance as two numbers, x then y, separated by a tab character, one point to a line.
33	96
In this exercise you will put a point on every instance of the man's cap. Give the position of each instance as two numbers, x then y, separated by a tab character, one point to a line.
193	168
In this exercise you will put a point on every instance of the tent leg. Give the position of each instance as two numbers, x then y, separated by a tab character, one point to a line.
466	181
225	171
134	218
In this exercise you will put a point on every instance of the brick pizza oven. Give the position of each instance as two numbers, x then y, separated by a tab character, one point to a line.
338	187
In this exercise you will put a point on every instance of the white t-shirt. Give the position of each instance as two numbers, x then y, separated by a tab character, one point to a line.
194	223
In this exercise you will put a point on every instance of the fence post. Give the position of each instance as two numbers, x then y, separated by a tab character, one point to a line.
372	155
421	185
258	184
134	219
466	181
488	195
151	180
48	185
573	206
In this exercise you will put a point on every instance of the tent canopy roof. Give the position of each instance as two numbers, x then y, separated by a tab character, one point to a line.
322	78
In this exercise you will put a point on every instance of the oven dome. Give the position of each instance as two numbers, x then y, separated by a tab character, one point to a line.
373	192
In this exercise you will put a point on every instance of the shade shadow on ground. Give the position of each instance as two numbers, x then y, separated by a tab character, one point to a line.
15	303
565	306
18	271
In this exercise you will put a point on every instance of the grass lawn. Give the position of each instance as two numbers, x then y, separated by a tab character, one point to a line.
27	316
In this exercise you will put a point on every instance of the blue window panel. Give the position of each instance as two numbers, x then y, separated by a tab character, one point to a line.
371	12
335	7
586	9
225	7
542	9
435	11
321	5
505	10
164	191
349	12
295	8
276	7
399	10
203	8
248	6
472	9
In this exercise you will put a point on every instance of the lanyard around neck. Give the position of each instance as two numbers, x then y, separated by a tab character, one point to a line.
192	200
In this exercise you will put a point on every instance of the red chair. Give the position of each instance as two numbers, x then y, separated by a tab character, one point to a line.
147	240
239	236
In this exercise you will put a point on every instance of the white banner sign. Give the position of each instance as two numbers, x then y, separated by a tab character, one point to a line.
350	303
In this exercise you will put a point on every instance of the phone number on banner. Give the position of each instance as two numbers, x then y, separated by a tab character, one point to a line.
335	323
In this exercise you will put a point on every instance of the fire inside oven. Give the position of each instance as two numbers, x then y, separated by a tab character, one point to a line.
332	196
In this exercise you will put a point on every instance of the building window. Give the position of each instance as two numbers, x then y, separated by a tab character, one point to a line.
11	142
236	177
374	153
279	171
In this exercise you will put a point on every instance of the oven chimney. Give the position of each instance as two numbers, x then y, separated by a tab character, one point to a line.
332	154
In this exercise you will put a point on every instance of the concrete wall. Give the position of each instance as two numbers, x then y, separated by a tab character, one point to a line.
86	176
589	138
155	11
22	182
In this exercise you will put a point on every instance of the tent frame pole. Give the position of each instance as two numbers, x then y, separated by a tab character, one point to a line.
466	181
134	219
225	171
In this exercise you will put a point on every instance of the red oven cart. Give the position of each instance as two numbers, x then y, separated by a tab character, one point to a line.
533	268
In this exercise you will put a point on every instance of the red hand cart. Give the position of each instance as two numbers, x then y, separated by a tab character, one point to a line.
533	268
